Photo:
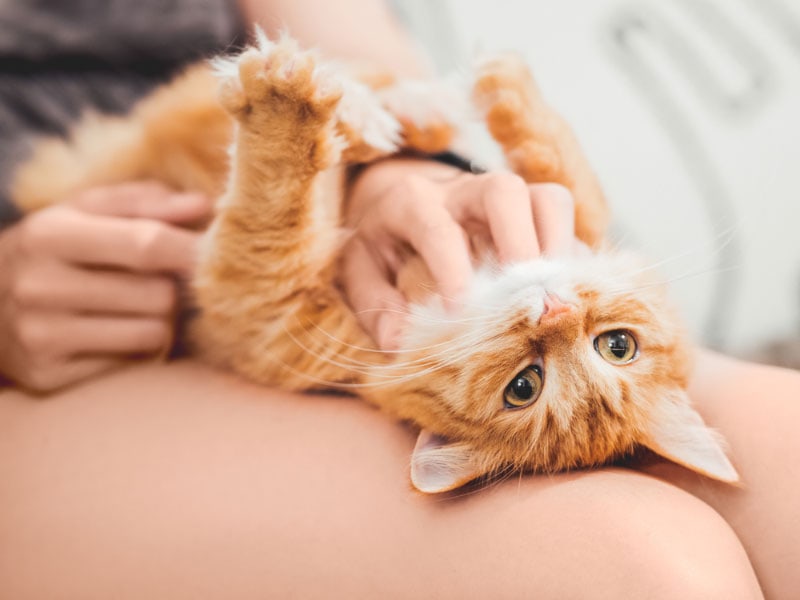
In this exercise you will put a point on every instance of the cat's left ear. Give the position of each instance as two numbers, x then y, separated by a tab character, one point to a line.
438	465
677	432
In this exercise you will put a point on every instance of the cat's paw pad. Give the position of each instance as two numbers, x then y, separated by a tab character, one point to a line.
427	112
277	77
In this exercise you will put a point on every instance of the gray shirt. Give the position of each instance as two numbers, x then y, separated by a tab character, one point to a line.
59	58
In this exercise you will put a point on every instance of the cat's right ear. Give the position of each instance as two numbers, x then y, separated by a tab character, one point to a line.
677	432
440	466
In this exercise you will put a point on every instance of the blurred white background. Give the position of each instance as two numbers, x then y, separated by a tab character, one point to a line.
688	111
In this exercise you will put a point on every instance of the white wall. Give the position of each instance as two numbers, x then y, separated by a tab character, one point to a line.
688	111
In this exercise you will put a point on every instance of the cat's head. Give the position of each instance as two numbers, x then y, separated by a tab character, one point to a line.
550	365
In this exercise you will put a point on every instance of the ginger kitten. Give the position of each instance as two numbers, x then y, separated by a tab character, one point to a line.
549	365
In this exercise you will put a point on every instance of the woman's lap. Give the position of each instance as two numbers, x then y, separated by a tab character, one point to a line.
178	481
757	409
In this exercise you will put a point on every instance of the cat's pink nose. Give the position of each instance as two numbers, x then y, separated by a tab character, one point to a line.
553	307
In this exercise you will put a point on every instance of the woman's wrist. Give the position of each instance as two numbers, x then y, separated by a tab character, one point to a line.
376	179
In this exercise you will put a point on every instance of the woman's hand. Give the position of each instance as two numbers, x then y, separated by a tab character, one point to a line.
435	209
87	283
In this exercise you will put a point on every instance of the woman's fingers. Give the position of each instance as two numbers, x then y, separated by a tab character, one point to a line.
90	281
439	214
144	200
50	350
89	239
56	286
377	304
524	220
58	335
415	214
501	202
53	375
554	218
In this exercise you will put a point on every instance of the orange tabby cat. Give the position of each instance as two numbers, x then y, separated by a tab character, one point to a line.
550	364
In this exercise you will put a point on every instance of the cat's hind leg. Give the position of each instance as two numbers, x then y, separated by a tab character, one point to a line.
537	142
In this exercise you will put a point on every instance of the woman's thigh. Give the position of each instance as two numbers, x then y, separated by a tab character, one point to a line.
757	409
180	482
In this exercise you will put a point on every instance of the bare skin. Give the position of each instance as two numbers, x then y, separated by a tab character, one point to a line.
87	283
337	28
180	482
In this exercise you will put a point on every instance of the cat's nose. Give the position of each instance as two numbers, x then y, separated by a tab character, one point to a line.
554	307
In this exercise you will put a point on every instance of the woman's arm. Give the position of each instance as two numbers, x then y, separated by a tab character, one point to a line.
355	30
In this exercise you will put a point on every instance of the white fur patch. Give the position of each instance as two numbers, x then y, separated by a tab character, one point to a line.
426	103
225	67
361	110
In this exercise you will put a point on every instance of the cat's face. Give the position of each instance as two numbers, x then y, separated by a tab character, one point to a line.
550	365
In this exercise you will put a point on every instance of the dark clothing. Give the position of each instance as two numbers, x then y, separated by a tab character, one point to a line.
59	58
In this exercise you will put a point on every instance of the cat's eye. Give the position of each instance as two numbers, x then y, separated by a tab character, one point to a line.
525	388
617	347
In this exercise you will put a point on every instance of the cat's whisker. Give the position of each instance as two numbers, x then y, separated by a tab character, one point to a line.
663	282
717	244
390	378
487	482
418	317
325	359
374	370
355	365
728	233
464	343
447	345
326	383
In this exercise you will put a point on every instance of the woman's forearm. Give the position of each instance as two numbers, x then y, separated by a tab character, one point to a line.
354	30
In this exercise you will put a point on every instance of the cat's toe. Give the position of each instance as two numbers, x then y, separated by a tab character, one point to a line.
499	78
368	128
278	76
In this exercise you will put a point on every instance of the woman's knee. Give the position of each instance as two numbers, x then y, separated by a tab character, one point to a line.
665	543
618	534
691	555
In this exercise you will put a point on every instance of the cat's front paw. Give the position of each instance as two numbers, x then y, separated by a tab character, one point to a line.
282	94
